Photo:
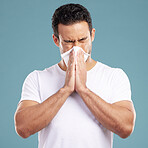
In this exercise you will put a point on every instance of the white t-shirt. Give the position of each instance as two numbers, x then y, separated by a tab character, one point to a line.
74	126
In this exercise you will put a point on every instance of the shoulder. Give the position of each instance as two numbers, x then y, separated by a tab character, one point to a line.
50	69
35	75
112	72
107	69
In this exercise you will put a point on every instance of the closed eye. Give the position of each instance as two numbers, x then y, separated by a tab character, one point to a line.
73	41
83	39
69	41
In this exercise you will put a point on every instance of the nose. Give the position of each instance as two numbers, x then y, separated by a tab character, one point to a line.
76	43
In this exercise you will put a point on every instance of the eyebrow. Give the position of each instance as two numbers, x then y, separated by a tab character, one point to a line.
72	41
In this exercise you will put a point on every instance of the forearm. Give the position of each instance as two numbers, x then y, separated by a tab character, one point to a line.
115	118
34	118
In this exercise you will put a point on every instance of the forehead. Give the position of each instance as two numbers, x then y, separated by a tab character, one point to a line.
74	31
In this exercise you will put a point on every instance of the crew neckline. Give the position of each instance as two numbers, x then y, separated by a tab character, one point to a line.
64	72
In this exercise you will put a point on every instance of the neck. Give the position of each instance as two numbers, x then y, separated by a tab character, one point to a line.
90	63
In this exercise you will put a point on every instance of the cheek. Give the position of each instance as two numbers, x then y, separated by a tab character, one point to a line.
87	47
64	47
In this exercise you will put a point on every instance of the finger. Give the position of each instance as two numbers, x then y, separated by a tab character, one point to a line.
71	59
80	56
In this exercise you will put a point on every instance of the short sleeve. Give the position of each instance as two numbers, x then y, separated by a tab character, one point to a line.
30	89
121	89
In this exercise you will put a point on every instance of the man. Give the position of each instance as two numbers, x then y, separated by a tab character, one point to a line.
77	103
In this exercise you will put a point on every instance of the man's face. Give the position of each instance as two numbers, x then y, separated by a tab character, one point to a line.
77	34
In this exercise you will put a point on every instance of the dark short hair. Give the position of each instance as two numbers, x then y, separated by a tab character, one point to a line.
69	14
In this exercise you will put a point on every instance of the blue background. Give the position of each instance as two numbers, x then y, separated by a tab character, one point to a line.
26	44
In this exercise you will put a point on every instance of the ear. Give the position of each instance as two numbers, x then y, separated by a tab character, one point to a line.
56	40
93	34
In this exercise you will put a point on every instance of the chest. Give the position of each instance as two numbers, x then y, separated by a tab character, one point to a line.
98	83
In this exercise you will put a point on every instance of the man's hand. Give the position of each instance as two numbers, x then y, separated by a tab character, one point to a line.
81	72
76	73
70	73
